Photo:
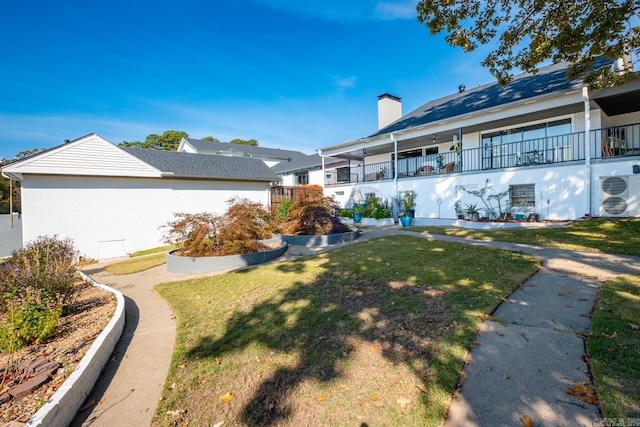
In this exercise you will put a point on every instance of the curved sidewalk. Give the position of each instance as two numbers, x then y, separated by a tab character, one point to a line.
514	371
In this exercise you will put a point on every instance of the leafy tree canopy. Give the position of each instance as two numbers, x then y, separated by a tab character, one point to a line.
169	140
27	153
252	142
530	32
210	138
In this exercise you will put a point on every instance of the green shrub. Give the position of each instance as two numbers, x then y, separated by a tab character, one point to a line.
37	283
29	323
283	209
46	266
346	213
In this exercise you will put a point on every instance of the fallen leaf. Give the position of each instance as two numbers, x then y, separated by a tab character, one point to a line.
218	360
182	366
505	376
634	327
321	398
176	413
612	336
360	403
376	347
375	398
226	398
584	392
203	381
526	421
500	333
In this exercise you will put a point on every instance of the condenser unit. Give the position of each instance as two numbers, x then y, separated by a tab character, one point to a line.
620	196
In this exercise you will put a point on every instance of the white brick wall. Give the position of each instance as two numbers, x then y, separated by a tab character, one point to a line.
118	212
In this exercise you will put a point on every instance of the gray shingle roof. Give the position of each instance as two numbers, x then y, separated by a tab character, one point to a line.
200	166
210	147
310	162
550	79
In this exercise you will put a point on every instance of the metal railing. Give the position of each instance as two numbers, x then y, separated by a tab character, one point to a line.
603	143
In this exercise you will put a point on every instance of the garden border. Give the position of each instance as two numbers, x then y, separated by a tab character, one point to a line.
62	407
320	240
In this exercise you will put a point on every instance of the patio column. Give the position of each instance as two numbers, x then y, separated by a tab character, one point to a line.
587	147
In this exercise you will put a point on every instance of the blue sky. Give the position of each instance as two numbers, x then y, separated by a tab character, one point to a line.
292	74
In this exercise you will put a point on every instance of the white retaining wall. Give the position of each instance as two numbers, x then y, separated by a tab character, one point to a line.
10	236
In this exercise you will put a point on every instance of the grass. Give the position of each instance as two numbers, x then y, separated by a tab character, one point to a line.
614	347
375	331
165	248
607	236
137	264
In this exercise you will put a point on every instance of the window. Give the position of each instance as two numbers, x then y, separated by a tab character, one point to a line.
302	178
525	145
344	174
522	195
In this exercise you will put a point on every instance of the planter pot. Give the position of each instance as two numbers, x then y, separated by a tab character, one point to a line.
474	217
210	264
323	240
411	213
406	221
357	217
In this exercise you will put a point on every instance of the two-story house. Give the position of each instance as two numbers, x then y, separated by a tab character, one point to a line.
556	148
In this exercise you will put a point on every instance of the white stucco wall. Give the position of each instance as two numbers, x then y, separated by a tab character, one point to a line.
571	189
10	234
109	217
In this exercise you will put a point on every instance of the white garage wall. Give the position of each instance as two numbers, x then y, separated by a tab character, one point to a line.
120	214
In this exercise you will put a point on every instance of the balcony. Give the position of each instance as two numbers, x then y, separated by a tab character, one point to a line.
614	142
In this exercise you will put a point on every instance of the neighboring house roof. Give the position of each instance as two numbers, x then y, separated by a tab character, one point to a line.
228	149
93	155
548	80
191	165
310	162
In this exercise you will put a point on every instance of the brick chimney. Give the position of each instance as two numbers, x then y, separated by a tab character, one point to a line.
389	109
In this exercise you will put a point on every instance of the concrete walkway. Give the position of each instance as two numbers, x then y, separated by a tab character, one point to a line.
518	368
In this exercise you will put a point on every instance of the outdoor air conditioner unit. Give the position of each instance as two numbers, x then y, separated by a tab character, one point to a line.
620	196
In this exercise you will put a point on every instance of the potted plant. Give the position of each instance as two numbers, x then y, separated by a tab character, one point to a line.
357	213
409	203
473	213
458	207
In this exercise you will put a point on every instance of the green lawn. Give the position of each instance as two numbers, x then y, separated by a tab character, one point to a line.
596	235
614	347
373	333
140	261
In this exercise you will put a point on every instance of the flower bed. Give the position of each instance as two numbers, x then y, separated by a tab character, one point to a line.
210	264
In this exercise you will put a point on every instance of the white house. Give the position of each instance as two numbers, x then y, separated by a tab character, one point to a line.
556	148
112	201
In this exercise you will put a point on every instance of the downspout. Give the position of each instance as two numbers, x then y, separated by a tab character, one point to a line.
587	146
324	173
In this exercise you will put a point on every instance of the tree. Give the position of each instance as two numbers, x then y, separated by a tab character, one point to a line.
252	142
169	140
6	188
210	138
530	32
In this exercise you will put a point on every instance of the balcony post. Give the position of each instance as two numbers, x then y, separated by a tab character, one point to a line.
587	145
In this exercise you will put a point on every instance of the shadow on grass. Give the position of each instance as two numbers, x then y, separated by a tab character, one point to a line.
413	313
